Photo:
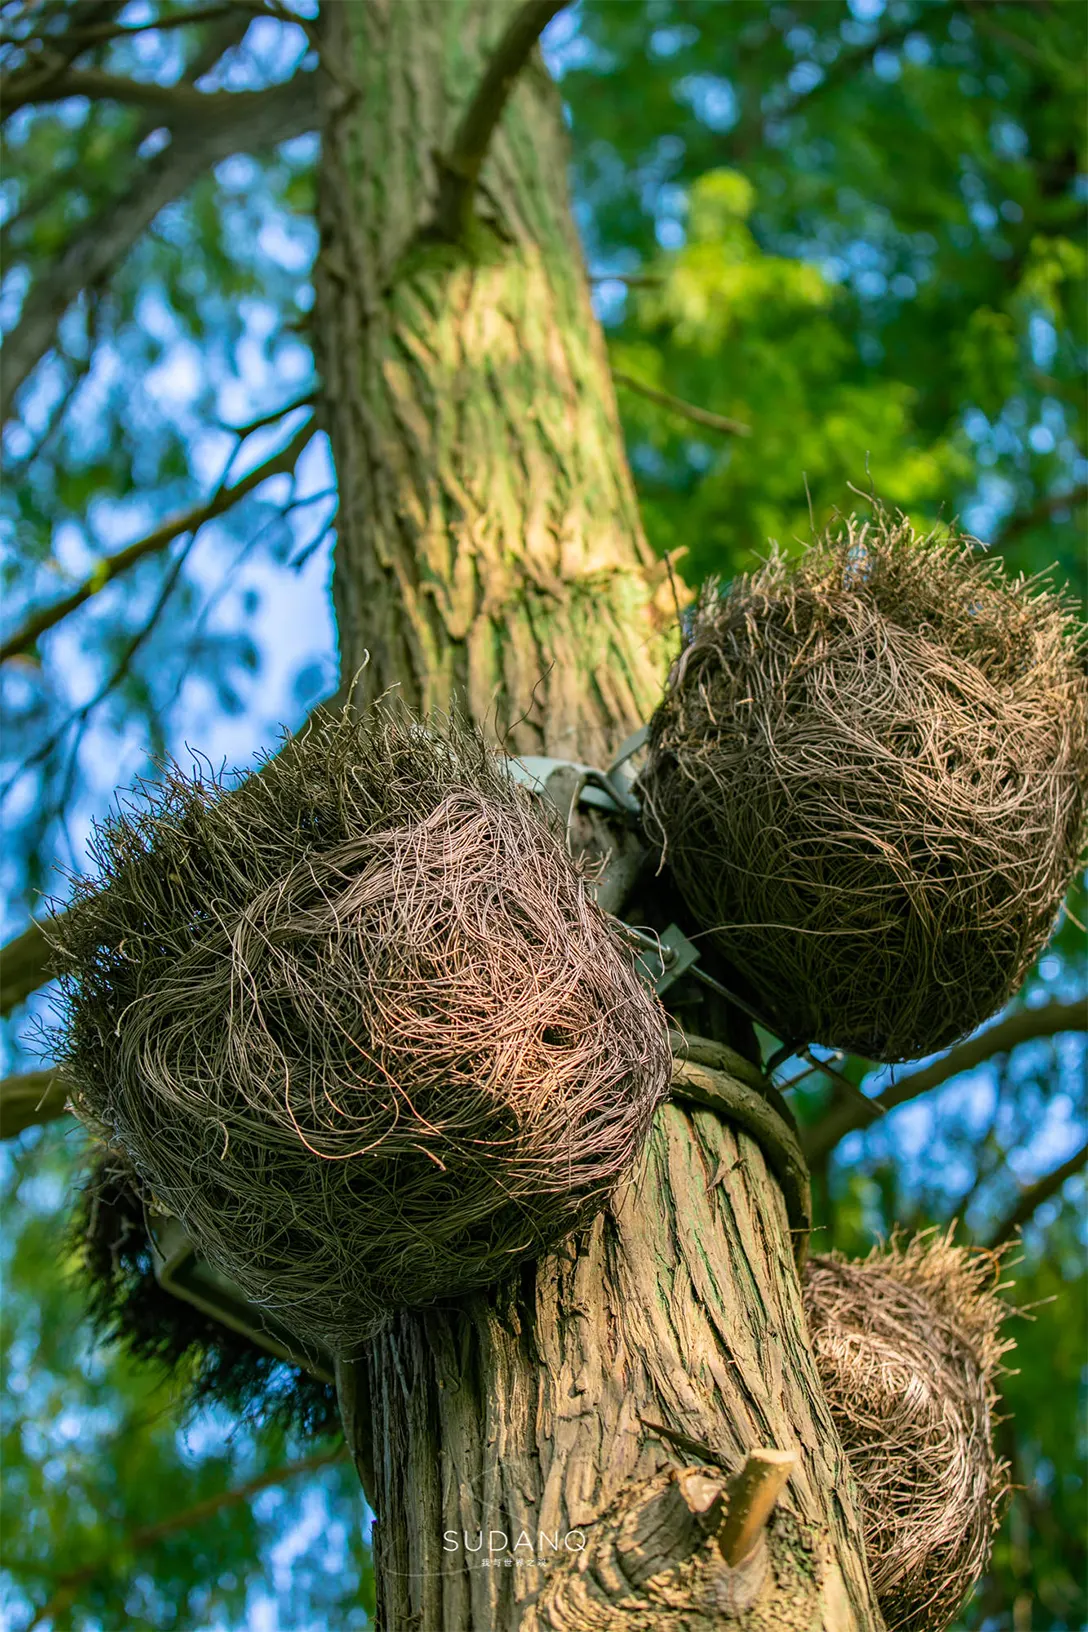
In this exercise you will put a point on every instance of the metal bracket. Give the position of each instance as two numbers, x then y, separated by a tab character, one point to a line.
593	787
665	957
180	1270
627	750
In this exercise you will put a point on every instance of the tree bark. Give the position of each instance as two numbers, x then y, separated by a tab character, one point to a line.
489	554
489	549
30	1099
527	1413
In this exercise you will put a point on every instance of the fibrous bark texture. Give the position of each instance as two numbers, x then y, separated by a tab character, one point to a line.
511	1431
490	553
489	548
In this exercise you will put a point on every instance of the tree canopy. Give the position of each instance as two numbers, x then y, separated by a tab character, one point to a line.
839	251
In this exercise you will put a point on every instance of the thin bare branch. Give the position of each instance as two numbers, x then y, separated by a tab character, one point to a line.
100	33
1033	1195
118	673
1022	1026
844	68
51	58
460	167
146	1535
112	566
211	44
171	104
686	410
29	1099
633	280
985	24
78	370
1023	520
25	960
227	30
234	121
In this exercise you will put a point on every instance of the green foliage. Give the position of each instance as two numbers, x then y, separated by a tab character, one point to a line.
874	258
96	1447
762	338
1041	1553
856	228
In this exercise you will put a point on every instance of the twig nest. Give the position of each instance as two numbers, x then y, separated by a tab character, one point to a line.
908	1347
868	776
357	1022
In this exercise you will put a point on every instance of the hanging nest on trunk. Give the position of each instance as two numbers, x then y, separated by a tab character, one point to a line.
868	776
357	1022
908	1347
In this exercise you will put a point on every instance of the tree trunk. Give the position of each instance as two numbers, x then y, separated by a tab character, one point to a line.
489	553
489	547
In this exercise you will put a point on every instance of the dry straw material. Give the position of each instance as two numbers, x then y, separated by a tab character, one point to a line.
908	1345
868	776
357	1021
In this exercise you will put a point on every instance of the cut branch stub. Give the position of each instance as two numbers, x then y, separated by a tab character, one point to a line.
655	1561
752	1498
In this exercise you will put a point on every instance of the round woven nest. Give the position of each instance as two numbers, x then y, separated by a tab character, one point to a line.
357	1021
868	776
908	1346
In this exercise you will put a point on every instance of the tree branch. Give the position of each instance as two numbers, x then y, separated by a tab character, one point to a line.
633	280
47	75
1033	1196
81	715
229	30
234	121
98	33
845	65
1021	521
1007	36
146	1535
55	53
686	410
112	566
171	103
460	167
753	1494
1020	1027
24	966
31	1098
24	961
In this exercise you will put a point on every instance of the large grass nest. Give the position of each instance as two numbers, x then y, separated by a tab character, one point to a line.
211	1363
357	1022
908	1346
868	776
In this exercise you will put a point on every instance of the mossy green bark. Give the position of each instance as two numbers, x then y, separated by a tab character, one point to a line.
489	548
490	553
